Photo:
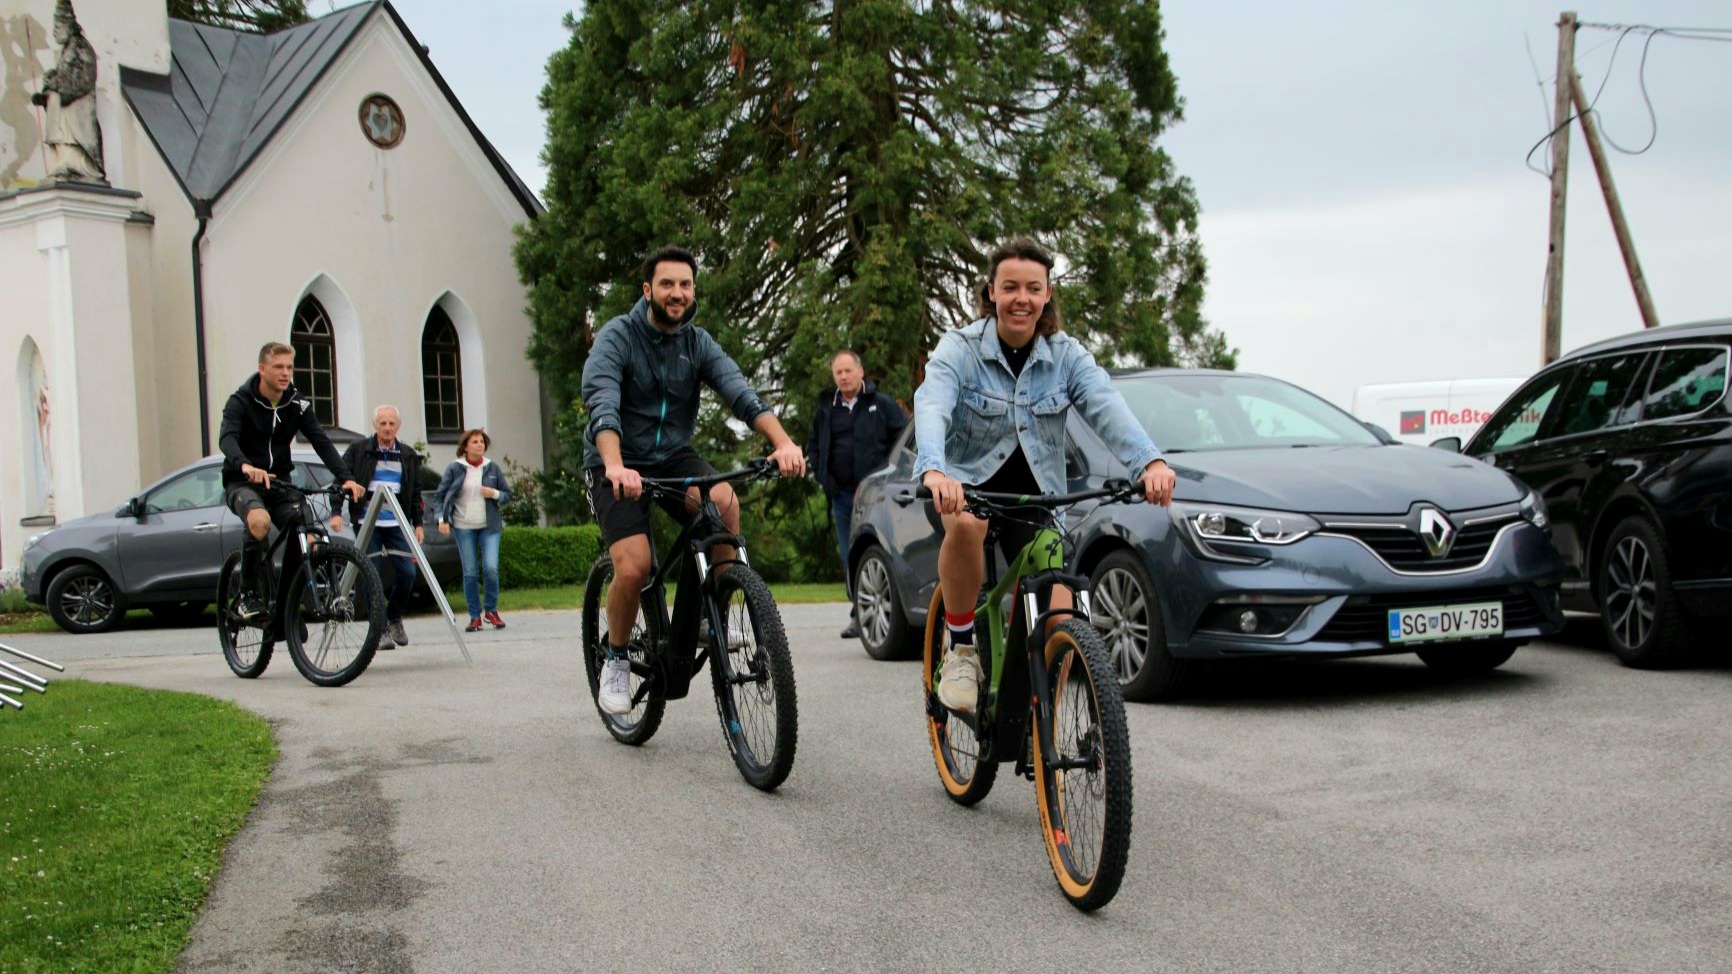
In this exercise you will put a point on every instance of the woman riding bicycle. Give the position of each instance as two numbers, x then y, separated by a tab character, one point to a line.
991	414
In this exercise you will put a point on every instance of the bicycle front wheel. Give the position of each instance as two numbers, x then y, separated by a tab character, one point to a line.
956	748
246	648
1085	794
753	675
335	615
640	725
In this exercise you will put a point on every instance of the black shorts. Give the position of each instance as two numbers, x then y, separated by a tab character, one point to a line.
283	505
1017	528
620	519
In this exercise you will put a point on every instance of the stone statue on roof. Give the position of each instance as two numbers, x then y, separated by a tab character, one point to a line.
72	136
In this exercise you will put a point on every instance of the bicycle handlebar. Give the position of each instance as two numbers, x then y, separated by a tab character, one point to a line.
762	469
1114	491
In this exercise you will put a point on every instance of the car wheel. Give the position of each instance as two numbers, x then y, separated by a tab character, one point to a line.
884	627
83	600
1126	608
180	613
1468	659
1643	621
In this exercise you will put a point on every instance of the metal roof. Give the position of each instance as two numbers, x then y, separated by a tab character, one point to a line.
228	93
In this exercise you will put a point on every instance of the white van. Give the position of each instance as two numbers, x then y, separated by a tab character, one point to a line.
1420	412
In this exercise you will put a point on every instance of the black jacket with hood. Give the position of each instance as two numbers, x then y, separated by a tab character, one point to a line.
255	432
642	383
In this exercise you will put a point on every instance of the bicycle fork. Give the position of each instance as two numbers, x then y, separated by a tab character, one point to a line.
1040	689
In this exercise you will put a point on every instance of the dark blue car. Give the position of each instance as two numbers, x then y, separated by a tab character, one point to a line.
1296	531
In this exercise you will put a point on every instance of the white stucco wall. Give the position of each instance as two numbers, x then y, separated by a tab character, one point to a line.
393	231
64	266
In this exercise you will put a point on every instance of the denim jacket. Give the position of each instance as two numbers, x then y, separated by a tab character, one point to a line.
970	412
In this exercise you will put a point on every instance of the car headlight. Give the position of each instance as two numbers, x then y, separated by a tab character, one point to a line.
1217	524
1534	510
1208	525
34	539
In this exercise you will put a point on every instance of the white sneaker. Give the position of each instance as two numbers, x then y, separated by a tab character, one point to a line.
615	697
959	679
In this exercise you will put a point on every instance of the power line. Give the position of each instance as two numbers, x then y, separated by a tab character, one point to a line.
1714	34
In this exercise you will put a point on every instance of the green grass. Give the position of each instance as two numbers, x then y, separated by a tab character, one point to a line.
115	806
558	597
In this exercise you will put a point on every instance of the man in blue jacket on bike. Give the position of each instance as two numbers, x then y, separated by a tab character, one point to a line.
641	387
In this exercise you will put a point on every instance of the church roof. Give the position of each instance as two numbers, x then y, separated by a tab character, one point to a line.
228	93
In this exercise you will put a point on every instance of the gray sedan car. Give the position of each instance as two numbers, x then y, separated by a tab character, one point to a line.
1296	531
161	550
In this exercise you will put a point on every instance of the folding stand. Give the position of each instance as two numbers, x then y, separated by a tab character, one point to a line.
26	680
364	534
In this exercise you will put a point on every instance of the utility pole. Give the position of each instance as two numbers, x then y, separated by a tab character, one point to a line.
1552	325
1626	244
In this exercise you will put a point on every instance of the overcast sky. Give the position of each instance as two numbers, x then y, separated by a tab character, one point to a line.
1366	212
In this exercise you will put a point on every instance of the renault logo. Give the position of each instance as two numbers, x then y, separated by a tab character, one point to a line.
1436	531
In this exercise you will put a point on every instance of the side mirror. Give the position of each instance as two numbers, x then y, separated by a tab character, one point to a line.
1450	443
129	509
1381	434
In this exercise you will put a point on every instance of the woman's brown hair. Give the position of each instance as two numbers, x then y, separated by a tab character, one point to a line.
463	441
1023	248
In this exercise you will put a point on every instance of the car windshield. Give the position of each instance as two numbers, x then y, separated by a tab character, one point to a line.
1235	412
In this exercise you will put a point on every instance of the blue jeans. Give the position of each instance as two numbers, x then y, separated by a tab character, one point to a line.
842	512
393	539
479	550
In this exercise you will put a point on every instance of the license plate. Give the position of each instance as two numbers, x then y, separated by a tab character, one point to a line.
1474	621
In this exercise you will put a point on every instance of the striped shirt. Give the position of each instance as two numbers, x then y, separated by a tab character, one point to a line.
388	475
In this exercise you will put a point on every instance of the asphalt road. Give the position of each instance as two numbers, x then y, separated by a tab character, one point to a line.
1562	814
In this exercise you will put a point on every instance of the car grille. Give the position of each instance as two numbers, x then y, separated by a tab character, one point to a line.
1366	617
1403	550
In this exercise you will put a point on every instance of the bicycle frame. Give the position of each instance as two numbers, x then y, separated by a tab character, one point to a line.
1029	578
309	525
706	531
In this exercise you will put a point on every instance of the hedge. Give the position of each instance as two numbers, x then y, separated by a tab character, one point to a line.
531	557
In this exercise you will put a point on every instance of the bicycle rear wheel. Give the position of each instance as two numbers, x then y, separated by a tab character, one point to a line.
641	724
956	748
753	676
247	649
334	616
1085	796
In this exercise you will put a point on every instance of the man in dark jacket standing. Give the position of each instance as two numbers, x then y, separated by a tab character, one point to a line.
852	431
260	421
382	462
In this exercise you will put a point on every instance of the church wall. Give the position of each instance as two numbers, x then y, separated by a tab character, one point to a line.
167	355
23	317
394	230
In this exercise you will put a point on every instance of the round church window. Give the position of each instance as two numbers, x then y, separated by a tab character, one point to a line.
382	121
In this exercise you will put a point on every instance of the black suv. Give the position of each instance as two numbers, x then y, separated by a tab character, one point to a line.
1629	442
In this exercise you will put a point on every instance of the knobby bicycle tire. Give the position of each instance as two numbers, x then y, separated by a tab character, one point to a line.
1087	849
331	622
754	680
640	725
246	649
955	746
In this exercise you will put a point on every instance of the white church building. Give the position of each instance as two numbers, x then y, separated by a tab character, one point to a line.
320	186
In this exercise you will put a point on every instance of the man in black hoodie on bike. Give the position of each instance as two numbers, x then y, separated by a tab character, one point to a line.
260	421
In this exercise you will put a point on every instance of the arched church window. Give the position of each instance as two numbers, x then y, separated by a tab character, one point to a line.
316	359
442	374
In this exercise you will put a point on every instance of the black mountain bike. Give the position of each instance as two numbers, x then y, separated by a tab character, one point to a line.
751	670
1051	703
331	613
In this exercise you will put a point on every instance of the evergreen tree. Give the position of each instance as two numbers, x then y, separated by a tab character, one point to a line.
259	16
842	168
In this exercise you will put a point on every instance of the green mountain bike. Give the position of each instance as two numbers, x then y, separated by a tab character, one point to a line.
1049	702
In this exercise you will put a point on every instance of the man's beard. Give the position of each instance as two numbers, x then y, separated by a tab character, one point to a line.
659	312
